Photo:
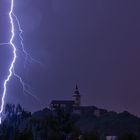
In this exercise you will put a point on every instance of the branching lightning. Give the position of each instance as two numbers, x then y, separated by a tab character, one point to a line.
25	87
11	69
21	38
1	44
27	56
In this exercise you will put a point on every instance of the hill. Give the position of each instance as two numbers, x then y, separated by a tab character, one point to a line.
60	124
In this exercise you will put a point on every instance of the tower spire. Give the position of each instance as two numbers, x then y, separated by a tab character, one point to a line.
77	96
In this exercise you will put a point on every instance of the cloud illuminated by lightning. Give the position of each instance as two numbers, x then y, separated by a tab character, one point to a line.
11	70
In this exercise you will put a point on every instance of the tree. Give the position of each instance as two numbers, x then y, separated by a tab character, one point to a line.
9	109
19	109
127	136
91	136
26	135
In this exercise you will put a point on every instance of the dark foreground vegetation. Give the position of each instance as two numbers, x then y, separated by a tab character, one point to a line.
19	124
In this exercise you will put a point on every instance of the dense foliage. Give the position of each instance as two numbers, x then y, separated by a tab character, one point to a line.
19	124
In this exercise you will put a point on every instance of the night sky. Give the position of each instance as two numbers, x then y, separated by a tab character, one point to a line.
94	43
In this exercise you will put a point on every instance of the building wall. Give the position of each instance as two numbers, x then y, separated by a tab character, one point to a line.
111	137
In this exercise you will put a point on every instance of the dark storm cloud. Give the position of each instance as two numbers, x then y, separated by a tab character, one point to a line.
92	43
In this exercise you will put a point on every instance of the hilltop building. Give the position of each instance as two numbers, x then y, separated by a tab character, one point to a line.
75	105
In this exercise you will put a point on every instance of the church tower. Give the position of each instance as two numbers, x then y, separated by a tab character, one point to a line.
77	97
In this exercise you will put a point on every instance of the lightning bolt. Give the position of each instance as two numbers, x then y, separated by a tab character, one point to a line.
13	59
11	70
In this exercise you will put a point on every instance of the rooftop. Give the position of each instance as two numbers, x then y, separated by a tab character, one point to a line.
62	102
